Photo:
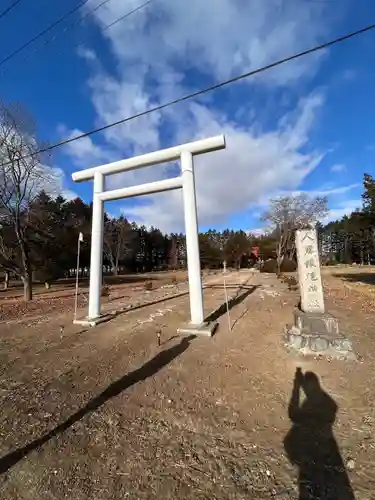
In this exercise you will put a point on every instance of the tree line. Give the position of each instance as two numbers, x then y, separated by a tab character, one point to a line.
51	227
352	238
348	240
39	229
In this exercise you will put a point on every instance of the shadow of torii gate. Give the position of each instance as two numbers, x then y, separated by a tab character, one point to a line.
185	153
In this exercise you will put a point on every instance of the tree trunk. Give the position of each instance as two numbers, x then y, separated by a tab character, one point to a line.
26	277
27	287
280	250
6	280
279	258
279	261
112	264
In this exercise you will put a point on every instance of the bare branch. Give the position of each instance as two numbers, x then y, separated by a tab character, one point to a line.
22	177
286	214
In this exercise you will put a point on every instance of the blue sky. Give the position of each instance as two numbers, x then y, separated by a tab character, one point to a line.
305	126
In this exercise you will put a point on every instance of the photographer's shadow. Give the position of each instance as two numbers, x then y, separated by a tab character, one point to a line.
310	444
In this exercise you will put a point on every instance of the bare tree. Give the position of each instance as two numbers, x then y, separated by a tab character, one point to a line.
286	214
22	176
117	241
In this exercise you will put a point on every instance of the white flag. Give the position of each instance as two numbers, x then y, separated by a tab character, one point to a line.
80	237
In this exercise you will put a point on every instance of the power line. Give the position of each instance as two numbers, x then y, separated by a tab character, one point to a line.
116	21
100	31
136	9
46	30
8	9
71	26
187	97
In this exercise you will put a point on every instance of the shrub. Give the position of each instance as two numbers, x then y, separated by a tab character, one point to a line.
288	266
270	266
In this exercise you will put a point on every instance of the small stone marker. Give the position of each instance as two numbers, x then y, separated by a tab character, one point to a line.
158	336
310	281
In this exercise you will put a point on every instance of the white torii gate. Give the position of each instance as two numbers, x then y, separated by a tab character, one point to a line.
186	181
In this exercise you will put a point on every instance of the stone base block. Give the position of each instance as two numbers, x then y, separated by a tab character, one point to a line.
317	334
93	321
205	329
316	323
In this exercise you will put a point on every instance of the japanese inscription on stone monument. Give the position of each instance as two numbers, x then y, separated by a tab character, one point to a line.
309	271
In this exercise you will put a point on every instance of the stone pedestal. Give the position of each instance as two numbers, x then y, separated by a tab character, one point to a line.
205	329
318	334
316	323
103	318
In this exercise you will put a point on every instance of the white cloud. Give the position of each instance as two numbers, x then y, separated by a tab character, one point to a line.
157	48
335	190
114	100
219	37
327	191
59	188
345	208
338	167
252	167
87	54
50	179
85	152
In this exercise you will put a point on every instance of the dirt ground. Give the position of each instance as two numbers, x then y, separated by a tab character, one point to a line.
107	413
60	298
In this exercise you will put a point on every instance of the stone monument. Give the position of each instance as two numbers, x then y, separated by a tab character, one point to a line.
310	281
314	331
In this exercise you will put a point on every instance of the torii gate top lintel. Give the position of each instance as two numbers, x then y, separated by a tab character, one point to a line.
153	158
